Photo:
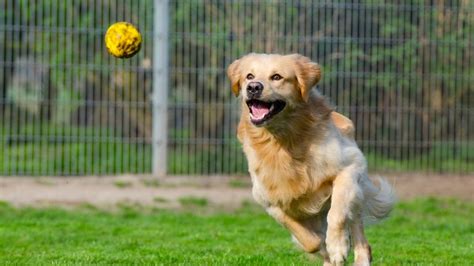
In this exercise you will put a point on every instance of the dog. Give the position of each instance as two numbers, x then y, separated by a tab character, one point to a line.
306	168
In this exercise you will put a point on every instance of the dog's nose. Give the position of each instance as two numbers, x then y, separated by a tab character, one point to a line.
254	89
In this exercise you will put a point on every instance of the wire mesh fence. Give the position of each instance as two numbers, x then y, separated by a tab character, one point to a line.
402	71
67	107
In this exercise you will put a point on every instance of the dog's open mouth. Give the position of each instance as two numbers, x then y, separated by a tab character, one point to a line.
261	111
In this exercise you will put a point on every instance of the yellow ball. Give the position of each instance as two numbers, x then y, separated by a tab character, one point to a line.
123	40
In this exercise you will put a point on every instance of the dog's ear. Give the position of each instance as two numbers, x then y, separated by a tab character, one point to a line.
308	74
233	72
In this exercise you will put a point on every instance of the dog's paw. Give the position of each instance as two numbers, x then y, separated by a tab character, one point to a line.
312	245
337	245
362	255
362	263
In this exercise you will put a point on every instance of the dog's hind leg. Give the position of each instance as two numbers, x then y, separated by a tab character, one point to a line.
362	252
321	231
346	197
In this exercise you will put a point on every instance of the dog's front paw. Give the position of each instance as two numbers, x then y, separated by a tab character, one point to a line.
337	245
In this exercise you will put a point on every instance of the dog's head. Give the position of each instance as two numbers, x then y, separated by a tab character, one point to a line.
271	84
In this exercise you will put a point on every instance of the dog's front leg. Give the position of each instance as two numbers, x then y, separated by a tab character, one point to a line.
345	197
308	240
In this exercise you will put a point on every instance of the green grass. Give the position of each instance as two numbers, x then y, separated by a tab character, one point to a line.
34	149
74	158
151	183
123	184
160	199
240	183
54	149
193	202
422	232
424	163
441	158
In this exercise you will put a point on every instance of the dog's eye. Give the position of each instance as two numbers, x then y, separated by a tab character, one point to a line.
276	77
250	76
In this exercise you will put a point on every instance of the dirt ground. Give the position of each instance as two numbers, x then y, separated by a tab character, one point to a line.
229	192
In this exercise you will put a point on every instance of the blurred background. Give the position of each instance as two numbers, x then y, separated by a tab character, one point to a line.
403	71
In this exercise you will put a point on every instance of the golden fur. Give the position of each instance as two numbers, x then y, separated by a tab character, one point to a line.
306	168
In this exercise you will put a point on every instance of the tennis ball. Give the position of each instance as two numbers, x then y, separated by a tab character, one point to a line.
123	40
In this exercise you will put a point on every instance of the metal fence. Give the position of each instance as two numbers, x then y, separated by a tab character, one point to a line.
401	70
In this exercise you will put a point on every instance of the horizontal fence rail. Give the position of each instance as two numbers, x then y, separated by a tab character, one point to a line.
402	72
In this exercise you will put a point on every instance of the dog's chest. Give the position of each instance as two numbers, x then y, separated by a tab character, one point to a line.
298	197
280	180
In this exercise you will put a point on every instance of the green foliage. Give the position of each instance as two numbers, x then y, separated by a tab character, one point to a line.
403	71
67	38
421	232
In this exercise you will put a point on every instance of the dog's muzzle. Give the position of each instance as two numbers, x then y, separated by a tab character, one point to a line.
263	111
254	90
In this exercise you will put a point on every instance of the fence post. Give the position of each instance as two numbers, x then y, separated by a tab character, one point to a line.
160	86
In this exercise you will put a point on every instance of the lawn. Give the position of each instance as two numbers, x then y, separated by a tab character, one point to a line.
422	232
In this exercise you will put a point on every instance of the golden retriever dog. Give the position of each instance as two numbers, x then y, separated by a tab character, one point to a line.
306	168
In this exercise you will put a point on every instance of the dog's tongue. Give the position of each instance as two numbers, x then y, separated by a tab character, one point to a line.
260	109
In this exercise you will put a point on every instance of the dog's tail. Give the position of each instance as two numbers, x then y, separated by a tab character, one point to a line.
379	200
